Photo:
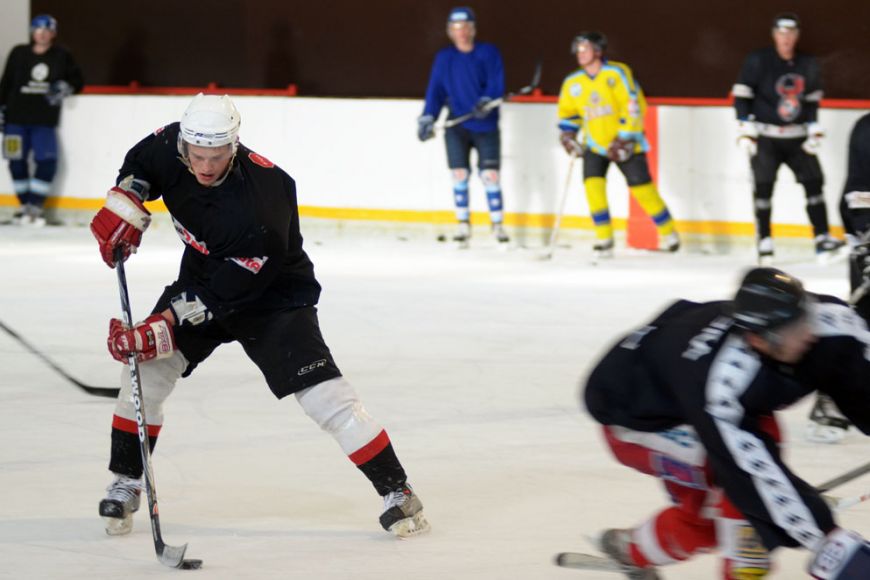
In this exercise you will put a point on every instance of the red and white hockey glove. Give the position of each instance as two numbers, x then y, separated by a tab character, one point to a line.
620	150
119	224
150	339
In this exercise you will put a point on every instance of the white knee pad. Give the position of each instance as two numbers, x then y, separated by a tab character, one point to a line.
335	406
491	179
158	379
460	178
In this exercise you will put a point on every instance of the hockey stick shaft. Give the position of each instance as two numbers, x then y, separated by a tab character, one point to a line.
557	223
91	390
844	478
172	556
536	80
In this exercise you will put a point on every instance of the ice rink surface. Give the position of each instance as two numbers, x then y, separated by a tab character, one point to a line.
471	359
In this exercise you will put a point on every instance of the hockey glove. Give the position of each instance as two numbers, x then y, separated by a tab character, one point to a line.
119	224
482	108
620	150
425	127
150	339
747	137
568	140
842	555
813	143
189	309
57	92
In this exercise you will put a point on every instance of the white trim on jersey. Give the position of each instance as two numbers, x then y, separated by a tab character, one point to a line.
731	373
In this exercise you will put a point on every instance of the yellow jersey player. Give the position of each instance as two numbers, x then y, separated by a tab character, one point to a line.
603	100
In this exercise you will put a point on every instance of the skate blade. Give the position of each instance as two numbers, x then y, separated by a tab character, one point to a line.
824	434
828	258
412	526
119	526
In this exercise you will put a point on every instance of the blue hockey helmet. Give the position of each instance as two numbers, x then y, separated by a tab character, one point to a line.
461	14
43	21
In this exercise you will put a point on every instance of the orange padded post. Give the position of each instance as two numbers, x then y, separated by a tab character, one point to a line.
640	230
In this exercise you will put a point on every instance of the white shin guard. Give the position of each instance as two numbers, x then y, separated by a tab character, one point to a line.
158	379
335	406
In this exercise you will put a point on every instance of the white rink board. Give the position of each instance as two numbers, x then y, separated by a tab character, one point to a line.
363	153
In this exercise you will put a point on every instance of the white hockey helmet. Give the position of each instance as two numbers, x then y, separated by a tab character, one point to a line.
210	121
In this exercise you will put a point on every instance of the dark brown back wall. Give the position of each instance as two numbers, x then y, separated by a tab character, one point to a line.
384	48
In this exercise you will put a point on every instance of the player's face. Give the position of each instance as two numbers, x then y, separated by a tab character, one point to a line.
42	36
586	54
785	40
792	342
462	34
209	164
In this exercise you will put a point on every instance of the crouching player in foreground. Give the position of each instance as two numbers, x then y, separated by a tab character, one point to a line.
689	398
244	277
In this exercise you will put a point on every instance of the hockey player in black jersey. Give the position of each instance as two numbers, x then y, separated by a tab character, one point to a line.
36	78
855	207
245	278
827	424
776	98
690	398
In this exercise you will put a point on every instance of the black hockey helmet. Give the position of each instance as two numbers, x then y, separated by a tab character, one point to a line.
768	299
596	39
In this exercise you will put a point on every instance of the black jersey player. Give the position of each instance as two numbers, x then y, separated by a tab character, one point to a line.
36	78
776	98
245	278
690	398
827	424
855	208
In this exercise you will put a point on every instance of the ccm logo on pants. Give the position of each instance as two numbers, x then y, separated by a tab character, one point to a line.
308	368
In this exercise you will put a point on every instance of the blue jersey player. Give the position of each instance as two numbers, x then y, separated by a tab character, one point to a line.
468	78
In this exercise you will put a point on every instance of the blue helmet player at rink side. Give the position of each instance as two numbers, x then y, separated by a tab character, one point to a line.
691	399
36	79
245	278
467	78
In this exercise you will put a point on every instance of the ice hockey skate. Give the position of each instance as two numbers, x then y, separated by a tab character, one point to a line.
827	424
403	513
765	251
603	249
119	505
462	237
500	235
615	544
670	243
829	249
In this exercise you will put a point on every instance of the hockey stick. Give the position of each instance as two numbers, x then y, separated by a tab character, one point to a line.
91	390
172	556
554	235
536	80
845	478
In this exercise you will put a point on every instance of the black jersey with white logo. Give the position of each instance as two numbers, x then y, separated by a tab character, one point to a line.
691	366
243	244
776	91
26	80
